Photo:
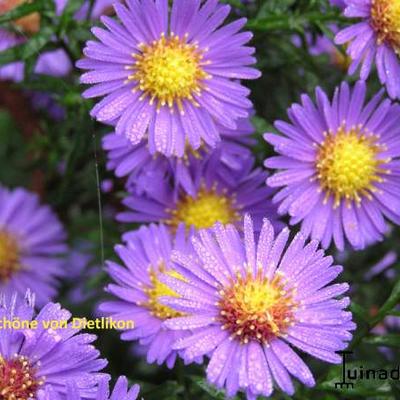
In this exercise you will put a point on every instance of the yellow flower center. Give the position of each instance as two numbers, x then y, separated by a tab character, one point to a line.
9	256
17	379
385	19
29	24
255	308
159	289
204	210
348	164
169	71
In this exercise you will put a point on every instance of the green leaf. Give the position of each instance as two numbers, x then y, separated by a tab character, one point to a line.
390	304
391	340
235	3
210	390
46	83
395	313
169	390
28	49
359	311
274	6
275	22
67	16
26	9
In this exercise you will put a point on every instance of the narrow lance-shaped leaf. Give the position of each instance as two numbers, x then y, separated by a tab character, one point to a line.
391	340
26	9
27	49
391	302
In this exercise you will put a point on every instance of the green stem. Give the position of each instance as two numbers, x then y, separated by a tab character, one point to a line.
294	22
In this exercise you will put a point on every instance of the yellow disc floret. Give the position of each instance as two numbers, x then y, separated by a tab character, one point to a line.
204	210
169	71
9	256
348	164
256	308
385	19
17	379
159	289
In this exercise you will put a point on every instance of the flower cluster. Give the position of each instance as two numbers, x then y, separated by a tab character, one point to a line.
209	273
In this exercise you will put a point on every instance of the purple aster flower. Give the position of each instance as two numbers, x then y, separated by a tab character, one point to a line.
252	302
81	273
338	3
383	266
107	185
54	63
375	38
44	102
13	71
138	160
100	7
339	166
32	240
42	356
146	255
323	45
218	194
121	391
171	76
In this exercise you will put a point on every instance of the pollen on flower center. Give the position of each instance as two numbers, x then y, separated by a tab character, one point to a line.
29	24
9	256
204	210
169	71
385	19
17	379
348	164
159	289
255	308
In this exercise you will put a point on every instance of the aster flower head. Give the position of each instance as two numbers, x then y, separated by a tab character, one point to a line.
324	45
81	272
384	266
45	102
338	166
32	241
35	360
121	391
146	254
99	8
169	74
217	195
139	163
376	38
252	302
